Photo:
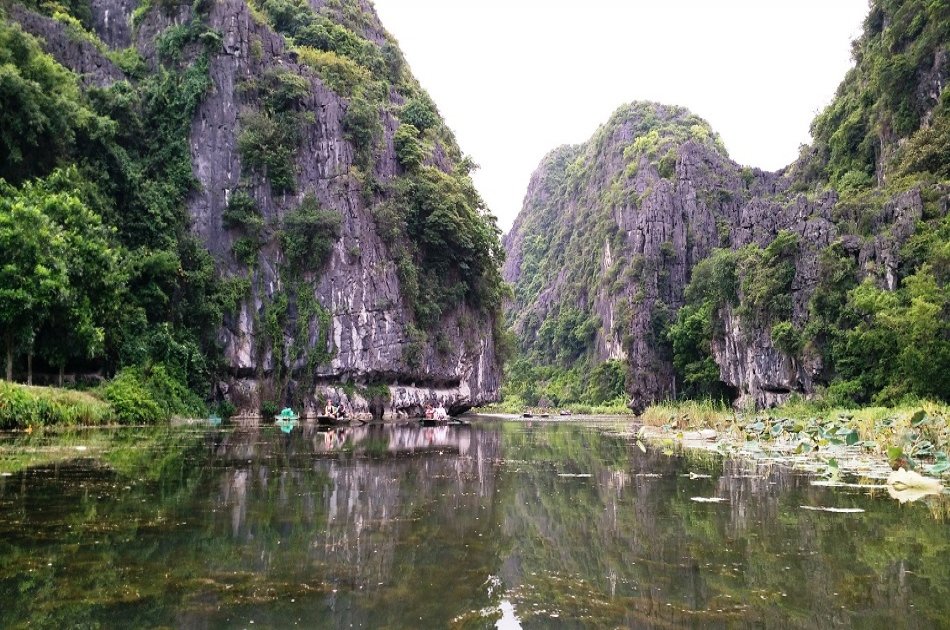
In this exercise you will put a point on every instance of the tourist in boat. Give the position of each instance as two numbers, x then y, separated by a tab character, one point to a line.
329	411
430	412
440	413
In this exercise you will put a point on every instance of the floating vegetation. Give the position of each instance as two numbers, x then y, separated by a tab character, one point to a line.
837	449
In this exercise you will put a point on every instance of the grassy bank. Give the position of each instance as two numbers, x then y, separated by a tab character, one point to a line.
134	396
22	406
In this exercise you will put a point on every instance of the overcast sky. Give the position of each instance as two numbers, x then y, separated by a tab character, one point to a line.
516	78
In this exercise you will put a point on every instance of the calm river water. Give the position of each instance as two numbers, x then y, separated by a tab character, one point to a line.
503	524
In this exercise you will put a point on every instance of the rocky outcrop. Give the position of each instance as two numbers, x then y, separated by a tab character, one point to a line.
372	339
641	211
69	48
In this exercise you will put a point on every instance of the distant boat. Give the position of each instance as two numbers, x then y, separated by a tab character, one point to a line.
527	414
565	412
214	420
286	414
287	419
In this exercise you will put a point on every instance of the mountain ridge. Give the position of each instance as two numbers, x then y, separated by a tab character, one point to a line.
648	205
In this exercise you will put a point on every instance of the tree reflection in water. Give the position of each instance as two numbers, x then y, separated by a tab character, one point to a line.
408	526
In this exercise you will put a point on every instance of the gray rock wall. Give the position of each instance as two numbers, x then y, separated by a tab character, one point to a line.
359	286
668	224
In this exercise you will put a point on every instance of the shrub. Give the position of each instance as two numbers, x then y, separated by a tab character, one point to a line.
242	213
269	409
767	278
245	250
363	128
309	234
787	338
342	75
409	150
145	395
131	400
420	114
268	144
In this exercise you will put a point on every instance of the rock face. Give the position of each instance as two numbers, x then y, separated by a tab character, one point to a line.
614	227
614	231
371	338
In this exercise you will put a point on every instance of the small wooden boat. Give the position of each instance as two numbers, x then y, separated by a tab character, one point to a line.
332	420
565	412
545	415
432	422
527	414
287	419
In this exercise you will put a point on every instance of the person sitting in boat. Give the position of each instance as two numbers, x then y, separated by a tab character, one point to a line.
440	413
430	412
329	410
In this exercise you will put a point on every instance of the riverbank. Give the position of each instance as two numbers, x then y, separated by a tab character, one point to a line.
134	396
515	406
811	434
23	406
868	441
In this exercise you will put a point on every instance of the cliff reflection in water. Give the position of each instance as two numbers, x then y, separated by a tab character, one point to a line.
407	527
345	497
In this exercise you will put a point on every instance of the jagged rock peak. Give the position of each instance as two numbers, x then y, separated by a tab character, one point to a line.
611	254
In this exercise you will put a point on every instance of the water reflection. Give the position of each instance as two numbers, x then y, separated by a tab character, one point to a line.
454	526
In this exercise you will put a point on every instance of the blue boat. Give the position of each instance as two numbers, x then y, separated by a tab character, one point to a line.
287	419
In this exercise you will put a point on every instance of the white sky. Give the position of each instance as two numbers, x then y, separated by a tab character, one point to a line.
517	78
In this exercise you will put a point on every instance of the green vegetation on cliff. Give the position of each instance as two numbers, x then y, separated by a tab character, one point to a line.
443	240
717	281
99	268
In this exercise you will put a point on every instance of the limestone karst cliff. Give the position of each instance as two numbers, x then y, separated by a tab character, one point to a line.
357	258
649	246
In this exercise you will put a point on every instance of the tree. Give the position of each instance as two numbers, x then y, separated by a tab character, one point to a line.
39	107
59	271
74	326
33	273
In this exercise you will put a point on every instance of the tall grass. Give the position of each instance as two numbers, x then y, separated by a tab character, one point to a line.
22	406
689	413
515	405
